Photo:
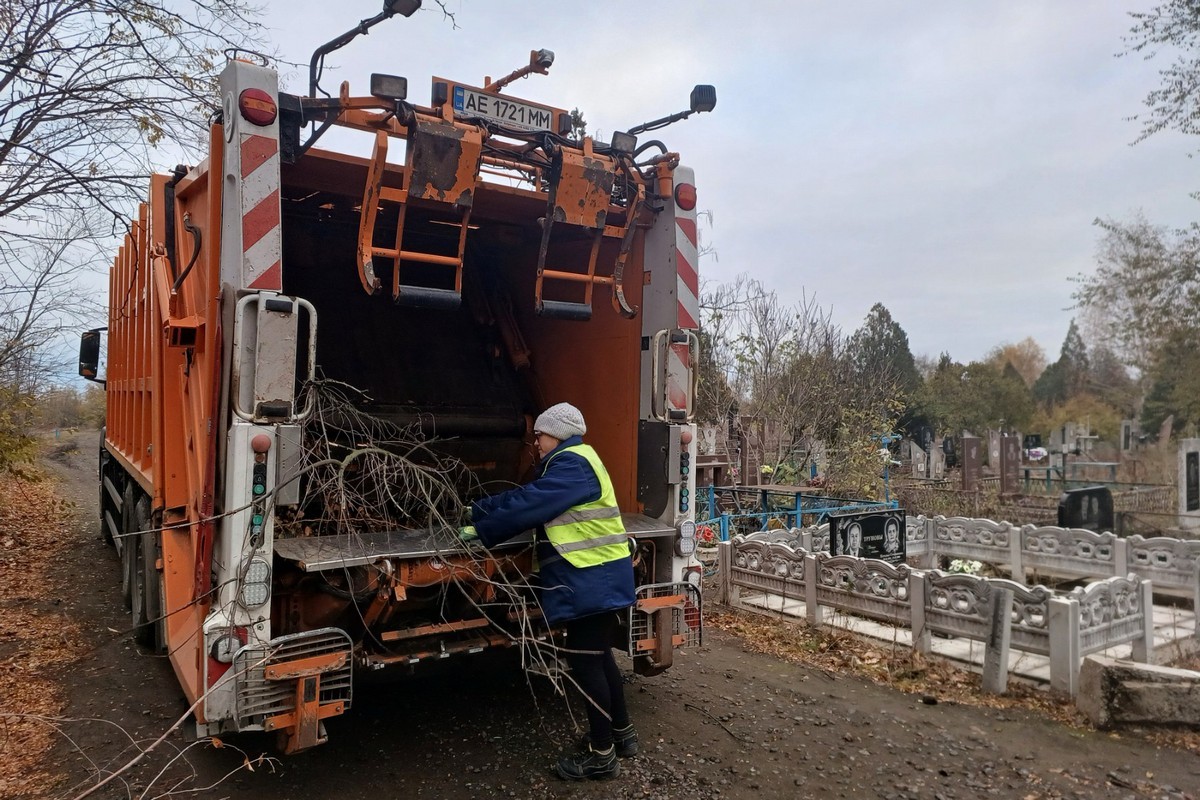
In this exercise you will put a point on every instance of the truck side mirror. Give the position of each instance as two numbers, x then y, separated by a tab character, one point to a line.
90	365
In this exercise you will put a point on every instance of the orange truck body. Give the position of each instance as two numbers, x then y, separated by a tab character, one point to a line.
470	285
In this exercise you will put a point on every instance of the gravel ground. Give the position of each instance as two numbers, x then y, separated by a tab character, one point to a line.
728	721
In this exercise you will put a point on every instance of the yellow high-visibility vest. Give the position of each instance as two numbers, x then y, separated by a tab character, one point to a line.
590	533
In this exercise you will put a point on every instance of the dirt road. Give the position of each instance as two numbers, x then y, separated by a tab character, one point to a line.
723	723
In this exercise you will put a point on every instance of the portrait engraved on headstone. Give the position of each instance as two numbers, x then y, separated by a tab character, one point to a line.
1090	508
869	534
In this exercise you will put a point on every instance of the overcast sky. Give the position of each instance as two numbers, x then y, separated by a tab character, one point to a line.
944	158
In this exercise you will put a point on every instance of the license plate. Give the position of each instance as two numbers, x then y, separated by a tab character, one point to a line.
505	110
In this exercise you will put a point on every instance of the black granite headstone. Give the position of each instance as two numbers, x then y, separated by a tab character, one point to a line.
972	462
1193	481
869	534
1010	465
1090	508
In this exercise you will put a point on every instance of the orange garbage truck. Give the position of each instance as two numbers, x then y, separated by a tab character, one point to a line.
495	264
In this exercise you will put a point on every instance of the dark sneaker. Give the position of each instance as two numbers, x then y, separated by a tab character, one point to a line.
589	764
624	739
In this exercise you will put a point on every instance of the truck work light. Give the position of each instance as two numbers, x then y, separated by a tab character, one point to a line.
403	7
389	87
704	98
624	143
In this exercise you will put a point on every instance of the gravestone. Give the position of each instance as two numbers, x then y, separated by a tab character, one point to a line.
1090	508
869	534
1010	464
972	458
993	451
818	457
1189	483
920	465
1164	430
1126	435
1063	442
1031	440
937	462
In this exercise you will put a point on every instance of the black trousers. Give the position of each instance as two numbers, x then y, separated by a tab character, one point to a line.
596	674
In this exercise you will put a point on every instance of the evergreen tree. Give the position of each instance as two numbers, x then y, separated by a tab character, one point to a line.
1068	376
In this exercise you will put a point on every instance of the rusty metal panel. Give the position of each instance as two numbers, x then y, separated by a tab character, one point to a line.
443	162
584	189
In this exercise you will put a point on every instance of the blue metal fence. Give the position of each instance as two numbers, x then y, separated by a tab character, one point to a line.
731	509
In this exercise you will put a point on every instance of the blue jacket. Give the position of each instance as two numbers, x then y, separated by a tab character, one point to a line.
567	592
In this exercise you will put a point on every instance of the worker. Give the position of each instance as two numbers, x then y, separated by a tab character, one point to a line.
585	575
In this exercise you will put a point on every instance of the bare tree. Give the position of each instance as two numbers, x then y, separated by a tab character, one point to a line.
88	87
37	298
1169	27
1142	272
776	368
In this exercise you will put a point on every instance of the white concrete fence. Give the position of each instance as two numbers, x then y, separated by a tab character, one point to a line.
787	567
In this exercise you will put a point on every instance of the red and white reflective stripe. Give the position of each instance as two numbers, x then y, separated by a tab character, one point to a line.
679	379
687	259
686	256
261	242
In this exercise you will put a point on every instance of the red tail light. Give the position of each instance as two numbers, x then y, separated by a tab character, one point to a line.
257	107
685	196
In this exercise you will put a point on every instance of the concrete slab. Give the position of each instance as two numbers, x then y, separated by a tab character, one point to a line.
1114	692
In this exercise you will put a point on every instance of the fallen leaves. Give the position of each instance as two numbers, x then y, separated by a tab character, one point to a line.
36	637
838	651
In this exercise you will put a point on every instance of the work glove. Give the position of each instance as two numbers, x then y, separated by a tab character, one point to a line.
467	534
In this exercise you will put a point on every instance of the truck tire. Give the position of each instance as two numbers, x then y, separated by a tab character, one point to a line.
156	627
125	545
105	501
144	575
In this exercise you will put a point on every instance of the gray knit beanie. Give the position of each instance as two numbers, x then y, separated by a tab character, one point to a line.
562	421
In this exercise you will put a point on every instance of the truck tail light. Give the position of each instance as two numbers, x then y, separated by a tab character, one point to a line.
685	543
685	196
256	584
257	107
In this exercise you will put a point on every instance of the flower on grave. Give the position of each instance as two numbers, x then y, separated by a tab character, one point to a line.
706	536
966	566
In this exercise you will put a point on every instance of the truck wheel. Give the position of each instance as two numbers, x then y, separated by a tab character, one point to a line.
125	546
156	627
104	499
144	575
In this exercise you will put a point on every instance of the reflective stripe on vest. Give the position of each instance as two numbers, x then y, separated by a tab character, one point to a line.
590	533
